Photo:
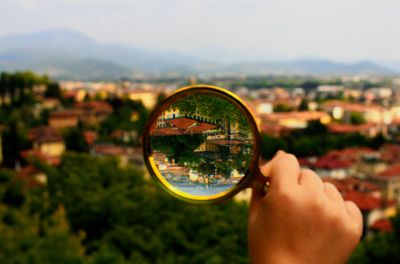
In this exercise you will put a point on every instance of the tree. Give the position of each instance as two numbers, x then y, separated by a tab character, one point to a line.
356	118
53	90
75	141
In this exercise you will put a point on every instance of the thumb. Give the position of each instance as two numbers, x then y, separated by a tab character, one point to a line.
261	178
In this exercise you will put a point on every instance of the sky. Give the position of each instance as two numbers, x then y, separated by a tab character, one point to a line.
230	30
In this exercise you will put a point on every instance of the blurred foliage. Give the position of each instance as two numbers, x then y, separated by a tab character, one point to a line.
213	108
93	211
178	147
127	115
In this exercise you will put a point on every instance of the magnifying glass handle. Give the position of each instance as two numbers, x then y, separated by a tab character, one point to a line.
260	181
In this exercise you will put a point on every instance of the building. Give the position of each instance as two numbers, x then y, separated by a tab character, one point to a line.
64	119
47	141
389	180
372	113
147	97
279	124
93	113
367	129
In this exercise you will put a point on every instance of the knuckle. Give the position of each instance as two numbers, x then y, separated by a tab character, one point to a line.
307	172
316	203
284	194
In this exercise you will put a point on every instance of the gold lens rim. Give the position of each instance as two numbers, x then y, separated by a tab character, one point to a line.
152	168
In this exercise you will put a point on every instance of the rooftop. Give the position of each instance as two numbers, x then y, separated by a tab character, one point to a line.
44	134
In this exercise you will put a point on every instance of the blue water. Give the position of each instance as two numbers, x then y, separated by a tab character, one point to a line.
199	189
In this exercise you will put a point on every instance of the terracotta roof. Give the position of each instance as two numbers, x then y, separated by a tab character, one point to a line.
393	171
226	142
181	122
353	107
95	106
182	126
348	128
353	151
44	134
109	149
306	116
65	113
364	201
327	162
383	225
166	131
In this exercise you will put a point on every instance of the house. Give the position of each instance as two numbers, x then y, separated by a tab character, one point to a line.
93	113
147	97
371	163
47	141
372	208
367	129
389	180
50	103
64	119
331	167
110	150
295	120
382	225
373	113
338	164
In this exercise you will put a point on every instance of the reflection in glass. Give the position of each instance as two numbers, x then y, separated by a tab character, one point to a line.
202	144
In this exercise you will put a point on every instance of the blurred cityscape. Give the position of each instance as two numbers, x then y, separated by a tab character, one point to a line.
345	128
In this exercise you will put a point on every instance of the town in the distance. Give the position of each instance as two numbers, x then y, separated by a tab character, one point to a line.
345	128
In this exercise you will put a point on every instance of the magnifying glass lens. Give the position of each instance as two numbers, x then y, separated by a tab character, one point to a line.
201	144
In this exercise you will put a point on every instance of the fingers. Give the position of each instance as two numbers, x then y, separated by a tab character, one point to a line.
332	192
266	169
257	192
260	179
310	179
285	170
355	214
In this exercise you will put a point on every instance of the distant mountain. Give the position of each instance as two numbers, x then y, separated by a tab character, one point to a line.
71	55
61	53
310	66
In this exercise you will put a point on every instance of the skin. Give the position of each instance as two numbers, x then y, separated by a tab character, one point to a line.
300	219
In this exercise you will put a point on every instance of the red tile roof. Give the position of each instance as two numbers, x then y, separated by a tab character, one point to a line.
393	171
65	114
95	106
305	116
364	201
181	122
348	128
182	126
328	162
383	225
44	134
353	107
109	150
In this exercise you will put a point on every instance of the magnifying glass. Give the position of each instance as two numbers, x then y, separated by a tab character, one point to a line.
202	145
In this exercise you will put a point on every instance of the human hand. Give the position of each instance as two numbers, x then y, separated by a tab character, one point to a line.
300	219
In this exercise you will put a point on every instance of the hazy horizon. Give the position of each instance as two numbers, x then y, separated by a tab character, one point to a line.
227	31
